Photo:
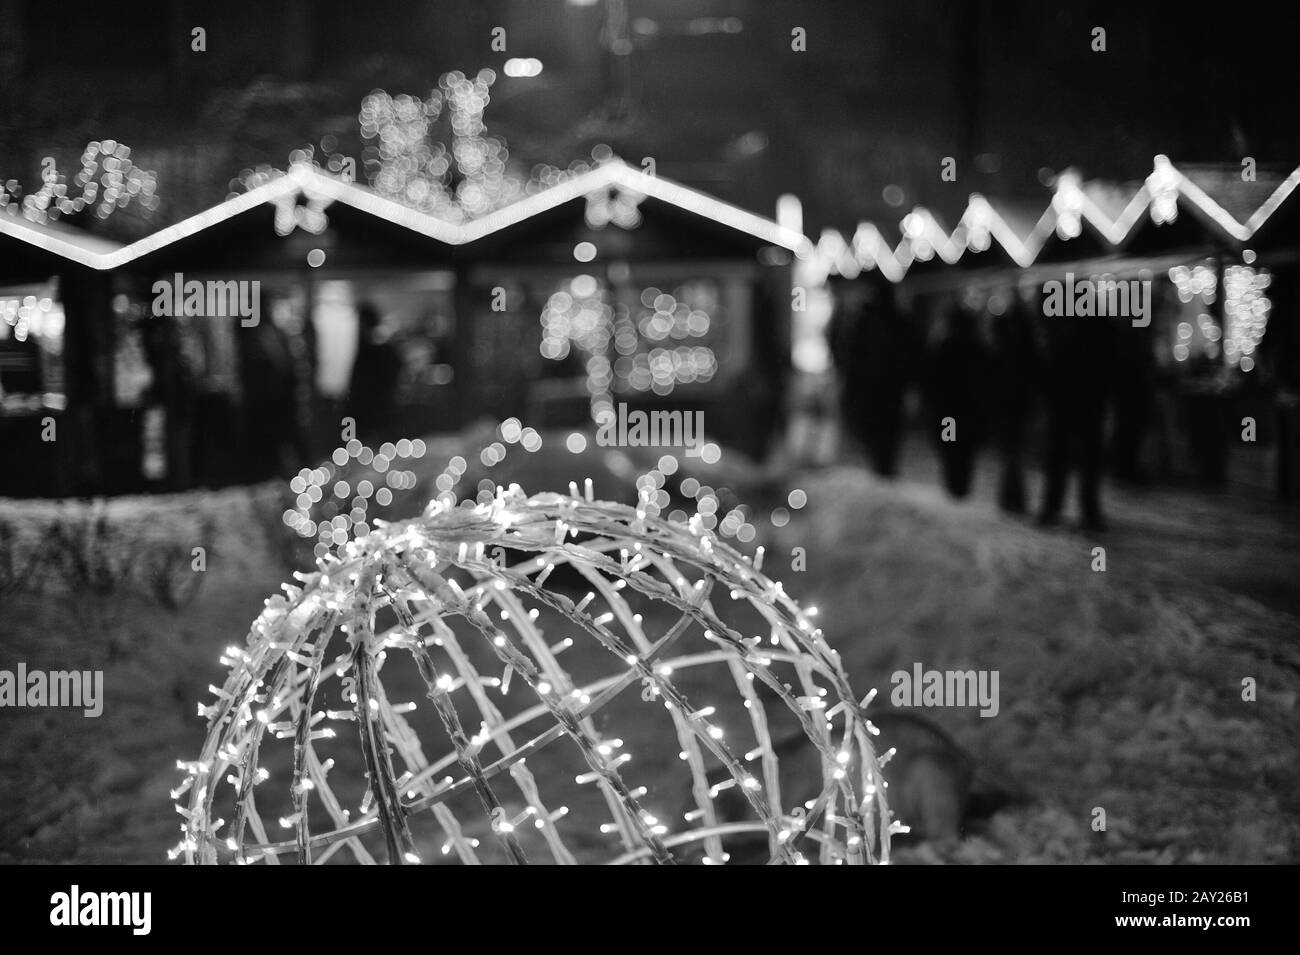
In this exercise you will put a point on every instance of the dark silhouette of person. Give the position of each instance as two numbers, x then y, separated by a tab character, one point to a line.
844	340
270	399
1078	370
1135	400
1014	384
765	393
870	349
1208	409
956	389
175	388
372	393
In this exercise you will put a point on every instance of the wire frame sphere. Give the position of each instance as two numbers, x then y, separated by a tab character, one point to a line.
596	685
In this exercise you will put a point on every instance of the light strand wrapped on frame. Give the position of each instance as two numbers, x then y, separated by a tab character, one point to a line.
445	581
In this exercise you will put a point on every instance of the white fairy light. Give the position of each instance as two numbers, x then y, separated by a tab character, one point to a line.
449	599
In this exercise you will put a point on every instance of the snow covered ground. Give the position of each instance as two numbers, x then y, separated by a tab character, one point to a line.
1119	690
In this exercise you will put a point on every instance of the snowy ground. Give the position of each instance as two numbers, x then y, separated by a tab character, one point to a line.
1119	690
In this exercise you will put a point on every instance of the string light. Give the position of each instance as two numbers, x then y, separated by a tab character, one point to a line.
1071	205
1162	184
1246	309
107	181
458	585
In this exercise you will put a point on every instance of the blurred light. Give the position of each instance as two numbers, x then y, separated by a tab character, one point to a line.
1162	184
519	67
1246	310
789	212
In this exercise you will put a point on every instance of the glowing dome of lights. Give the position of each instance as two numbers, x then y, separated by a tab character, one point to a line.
507	760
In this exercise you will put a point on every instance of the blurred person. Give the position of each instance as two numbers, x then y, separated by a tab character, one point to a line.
767	391
270	401
956	380
1078	374
372	392
1135	402
1015	380
299	336
811	431
869	348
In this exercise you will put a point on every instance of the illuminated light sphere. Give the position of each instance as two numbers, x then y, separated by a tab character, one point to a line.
548	679
316	258
584	251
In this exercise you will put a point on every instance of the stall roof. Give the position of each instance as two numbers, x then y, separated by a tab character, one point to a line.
312	182
62	240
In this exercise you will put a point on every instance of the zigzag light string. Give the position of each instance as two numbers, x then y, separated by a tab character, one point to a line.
923	237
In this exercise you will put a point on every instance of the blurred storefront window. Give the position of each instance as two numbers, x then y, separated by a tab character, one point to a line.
31	349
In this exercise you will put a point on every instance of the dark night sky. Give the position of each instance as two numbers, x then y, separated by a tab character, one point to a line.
883	93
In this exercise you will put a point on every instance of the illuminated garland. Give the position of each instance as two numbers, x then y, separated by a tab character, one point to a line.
1071	205
580	314
1246	307
465	589
108	180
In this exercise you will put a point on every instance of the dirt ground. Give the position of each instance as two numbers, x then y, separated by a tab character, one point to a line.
1119	689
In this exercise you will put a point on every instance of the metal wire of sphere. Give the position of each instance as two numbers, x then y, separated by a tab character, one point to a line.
487	602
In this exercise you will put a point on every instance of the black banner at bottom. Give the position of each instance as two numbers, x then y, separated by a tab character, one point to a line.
132	906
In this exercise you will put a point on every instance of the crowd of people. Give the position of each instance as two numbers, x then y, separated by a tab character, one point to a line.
992	375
